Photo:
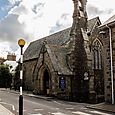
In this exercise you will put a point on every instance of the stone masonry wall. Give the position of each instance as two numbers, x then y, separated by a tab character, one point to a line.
29	67
107	63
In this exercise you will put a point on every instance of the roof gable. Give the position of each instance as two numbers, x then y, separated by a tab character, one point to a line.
58	58
92	23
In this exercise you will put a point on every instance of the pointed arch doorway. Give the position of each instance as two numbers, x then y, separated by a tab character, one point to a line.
46	82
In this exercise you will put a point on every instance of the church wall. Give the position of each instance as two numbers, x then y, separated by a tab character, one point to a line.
34	70
55	90
92	93
34	73
28	73
113	45
113	54
96	93
44	62
107	69
37	66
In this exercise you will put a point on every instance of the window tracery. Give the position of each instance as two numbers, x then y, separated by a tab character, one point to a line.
97	54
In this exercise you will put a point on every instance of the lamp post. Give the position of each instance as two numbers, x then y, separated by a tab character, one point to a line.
21	43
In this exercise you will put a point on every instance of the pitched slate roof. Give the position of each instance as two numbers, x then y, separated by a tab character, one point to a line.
34	48
111	19
92	22
58	55
58	38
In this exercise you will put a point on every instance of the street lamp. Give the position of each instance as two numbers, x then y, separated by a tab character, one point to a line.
21	43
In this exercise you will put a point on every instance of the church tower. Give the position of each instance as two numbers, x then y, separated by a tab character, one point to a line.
79	52
79	15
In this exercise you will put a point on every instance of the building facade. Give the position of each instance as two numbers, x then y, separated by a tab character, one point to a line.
75	63
2	60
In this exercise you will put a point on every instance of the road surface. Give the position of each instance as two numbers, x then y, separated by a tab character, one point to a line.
35	106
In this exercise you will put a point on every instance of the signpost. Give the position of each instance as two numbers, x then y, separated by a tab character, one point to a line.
21	43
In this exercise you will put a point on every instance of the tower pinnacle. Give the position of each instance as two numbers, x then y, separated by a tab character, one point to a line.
79	16
79	8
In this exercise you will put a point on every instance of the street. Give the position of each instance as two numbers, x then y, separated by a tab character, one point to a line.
35	106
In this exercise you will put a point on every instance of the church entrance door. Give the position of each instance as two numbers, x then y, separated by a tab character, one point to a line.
46	82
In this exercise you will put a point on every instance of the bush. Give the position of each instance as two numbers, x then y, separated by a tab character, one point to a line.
5	76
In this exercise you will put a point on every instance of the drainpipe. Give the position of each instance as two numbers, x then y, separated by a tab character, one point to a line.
110	43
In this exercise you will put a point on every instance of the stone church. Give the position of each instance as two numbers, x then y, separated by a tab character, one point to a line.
77	63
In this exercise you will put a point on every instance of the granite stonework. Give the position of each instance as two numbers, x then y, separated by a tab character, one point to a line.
73	64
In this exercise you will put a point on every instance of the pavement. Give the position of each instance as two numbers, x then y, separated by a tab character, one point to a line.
107	107
4	111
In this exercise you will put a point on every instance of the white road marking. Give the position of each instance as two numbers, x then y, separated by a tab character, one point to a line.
58	103
100	113
69	108
35	114
57	108
39	109
18	111
13	108
58	113
81	113
24	110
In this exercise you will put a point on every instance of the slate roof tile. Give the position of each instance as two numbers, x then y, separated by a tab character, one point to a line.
34	48
60	63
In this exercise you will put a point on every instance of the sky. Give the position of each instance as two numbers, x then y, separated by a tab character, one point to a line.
34	19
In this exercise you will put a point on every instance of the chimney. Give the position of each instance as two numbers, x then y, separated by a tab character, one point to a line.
11	57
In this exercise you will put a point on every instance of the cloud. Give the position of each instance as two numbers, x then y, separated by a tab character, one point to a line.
39	17
6	6
11	29
63	22
101	8
37	9
10	32
34	19
18	10
19	23
93	10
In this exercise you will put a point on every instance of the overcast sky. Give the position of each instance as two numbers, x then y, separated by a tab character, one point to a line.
34	19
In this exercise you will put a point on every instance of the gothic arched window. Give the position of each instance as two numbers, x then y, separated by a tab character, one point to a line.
97	54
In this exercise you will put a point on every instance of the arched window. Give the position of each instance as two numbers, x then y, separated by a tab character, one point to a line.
97	54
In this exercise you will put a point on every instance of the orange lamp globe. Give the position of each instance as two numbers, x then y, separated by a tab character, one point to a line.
21	43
